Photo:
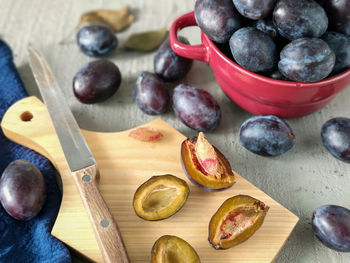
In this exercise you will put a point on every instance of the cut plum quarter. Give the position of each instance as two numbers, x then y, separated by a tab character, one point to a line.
205	165
160	197
172	249
236	220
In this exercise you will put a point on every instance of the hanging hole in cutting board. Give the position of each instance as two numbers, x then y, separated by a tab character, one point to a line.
26	116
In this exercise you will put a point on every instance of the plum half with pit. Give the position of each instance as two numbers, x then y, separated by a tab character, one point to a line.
160	197
301	18
253	49
218	19
172	249
306	60
22	190
236	220
205	165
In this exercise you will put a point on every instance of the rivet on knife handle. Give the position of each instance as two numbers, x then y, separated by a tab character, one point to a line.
106	230
80	160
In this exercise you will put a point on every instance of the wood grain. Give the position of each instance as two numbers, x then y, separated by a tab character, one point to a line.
106	230
124	164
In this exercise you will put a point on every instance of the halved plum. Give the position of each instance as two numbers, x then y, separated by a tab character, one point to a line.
236	220
205	165
172	249
160	197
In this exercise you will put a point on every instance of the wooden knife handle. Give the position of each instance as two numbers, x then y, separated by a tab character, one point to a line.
106	229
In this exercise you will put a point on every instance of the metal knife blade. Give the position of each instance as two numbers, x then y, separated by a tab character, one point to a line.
75	148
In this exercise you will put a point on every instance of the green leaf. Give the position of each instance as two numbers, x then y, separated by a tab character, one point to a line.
146	41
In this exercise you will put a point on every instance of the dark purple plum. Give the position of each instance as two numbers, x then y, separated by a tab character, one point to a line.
266	135
170	66
335	135
267	26
340	44
22	190
151	94
254	9
253	49
96	40
218	19
302	18
306	60
331	225
96	81
196	108
339	15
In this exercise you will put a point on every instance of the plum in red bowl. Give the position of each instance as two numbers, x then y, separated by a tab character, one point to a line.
255	93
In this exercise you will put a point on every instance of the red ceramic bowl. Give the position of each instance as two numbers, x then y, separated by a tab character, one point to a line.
257	94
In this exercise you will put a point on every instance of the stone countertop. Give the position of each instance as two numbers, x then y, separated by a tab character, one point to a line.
303	179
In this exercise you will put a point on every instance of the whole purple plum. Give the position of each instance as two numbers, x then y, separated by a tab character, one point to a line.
340	44
331	225
335	135
253	49
22	190
96	40
266	135
254	9
151	94
306	60
170	66
339	15
301	18
96	81
196	108
218	19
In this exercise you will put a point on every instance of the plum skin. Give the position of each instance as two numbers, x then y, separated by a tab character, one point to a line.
151	94
170	66
302	18
253	49
196	108
218	19
267	26
331	225
339	14
266	135
335	135
254	9
22	190
306	60
96	40
340	44
96	81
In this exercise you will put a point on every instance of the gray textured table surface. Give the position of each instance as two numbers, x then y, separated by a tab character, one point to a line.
301	180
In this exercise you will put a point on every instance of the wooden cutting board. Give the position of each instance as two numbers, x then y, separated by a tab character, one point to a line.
124	164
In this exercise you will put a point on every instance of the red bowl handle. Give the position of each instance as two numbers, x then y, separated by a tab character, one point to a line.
197	52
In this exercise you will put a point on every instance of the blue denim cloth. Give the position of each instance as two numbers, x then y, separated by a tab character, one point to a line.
26	241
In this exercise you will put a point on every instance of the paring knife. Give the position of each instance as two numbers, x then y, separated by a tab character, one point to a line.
80	161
